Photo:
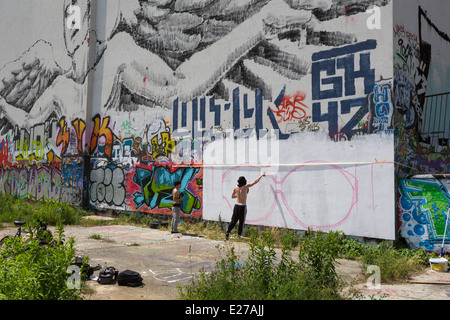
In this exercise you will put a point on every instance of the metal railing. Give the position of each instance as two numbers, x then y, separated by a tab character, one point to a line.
436	119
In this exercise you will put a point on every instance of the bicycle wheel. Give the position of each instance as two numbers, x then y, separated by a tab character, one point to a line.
2	241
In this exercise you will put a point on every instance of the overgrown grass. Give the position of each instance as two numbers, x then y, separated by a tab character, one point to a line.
265	277
312	276
54	213
51	213
100	238
396	262
215	230
31	271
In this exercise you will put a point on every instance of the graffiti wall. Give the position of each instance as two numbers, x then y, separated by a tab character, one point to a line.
334	120
43	102
177	81
123	98
424	205
421	88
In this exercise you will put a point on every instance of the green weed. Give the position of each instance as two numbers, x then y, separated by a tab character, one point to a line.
395	263
51	213
263	276
32	271
95	237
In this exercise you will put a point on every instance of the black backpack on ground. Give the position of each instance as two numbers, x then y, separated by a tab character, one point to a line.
129	278
107	276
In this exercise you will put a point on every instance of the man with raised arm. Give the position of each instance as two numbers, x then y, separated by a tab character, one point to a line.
240	208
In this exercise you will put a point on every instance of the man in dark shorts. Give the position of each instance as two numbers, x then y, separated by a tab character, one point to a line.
240	208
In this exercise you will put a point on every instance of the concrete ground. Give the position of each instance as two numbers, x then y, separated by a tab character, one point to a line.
167	260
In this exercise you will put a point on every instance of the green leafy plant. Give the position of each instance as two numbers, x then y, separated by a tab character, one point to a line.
265	276
317	257
33	269
396	263
51	213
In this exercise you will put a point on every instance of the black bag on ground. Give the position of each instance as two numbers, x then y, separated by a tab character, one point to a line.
129	278
87	270
107	276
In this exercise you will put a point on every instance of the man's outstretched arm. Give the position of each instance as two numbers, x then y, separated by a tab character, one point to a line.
257	180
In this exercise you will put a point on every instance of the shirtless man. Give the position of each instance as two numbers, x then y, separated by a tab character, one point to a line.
176	206
240	208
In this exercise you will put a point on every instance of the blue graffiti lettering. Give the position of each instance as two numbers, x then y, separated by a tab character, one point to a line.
338	87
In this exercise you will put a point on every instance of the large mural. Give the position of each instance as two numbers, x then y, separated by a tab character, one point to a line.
113	101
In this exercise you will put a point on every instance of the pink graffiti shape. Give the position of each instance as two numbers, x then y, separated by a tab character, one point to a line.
348	176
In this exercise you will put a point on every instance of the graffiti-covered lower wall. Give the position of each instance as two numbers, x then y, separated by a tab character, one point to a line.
424	204
43	102
119	99
421	88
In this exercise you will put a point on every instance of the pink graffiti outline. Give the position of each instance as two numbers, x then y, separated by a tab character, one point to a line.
279	192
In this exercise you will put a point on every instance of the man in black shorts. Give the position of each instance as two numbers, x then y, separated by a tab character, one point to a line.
240	208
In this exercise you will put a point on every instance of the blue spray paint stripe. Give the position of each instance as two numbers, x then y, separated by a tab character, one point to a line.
236	109
258	112
183	114
331	117
194	113
203	112
175	115
213	107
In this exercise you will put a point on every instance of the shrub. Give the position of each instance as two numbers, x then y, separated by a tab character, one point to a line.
395	265
317	257
32	271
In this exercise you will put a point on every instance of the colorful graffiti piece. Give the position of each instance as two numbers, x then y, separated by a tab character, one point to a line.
102	137
151	188
423	206
42	183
